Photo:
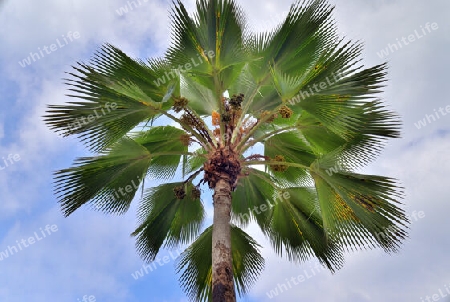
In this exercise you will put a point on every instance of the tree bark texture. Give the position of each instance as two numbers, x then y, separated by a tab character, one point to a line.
222	261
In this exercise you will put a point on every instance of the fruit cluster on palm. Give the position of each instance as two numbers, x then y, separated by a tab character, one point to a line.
235	111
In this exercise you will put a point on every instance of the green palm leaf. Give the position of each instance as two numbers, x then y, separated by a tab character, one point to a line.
254	191
109	181
293	46
119	94
166	219
196	264
339	103
295	226
360	209
201	99
294	150
166	146
376	124
217	28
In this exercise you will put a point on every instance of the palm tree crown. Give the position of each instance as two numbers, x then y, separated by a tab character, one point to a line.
294	100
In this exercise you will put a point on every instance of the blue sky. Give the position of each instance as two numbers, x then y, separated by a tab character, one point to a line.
93	254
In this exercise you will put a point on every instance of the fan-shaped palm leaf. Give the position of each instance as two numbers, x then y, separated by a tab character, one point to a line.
108	181
118	93
169	214
196	264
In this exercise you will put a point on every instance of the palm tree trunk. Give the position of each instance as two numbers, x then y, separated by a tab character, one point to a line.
222	262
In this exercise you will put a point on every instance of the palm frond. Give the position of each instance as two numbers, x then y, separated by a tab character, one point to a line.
201	99
167	218
341	105
118	93
166	146
295	227
109	182
294	45
375	126
253	193
361	210
196	264
214	36
195	160
292	149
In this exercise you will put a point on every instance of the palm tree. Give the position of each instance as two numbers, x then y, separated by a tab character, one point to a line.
275	123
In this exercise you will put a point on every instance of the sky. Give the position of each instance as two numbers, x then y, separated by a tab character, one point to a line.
90	256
